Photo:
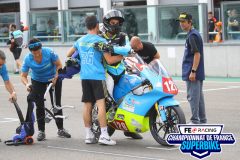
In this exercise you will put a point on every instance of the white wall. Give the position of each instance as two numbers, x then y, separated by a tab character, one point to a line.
220	61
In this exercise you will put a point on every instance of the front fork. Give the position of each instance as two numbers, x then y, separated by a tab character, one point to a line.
161	113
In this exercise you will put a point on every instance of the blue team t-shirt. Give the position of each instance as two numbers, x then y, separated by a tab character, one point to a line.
4	73
91	59
43	71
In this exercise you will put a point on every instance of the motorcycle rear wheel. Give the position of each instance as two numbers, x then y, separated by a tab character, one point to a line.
96	126
160	130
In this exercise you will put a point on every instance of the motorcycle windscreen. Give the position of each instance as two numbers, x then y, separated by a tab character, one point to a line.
167	83
157	67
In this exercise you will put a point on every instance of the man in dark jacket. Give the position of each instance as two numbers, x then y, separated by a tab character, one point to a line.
193	69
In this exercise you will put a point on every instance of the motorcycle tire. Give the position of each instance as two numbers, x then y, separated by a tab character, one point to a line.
170	126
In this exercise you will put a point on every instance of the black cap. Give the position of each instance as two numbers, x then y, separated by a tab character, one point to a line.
184	16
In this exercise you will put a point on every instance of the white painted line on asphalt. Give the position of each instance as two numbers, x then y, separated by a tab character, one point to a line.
7	120
206	81
166	149
217	89
182	101
214	89
105	153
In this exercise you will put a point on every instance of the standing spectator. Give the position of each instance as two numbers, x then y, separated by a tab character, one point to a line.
211	25
44	64
146	50
193	69
233	24
218	29
229	14
16	41
131	26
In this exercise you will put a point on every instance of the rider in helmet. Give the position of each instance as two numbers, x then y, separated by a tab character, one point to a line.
111	31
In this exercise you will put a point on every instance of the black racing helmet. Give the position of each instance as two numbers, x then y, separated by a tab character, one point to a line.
116	14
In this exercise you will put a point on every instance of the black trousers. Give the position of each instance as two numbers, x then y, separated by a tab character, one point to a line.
37	95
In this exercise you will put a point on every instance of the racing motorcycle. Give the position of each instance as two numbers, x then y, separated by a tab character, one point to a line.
143	100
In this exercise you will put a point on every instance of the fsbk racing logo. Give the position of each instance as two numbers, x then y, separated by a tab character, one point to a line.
169	86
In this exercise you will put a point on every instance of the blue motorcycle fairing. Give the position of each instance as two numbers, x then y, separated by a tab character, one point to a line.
140	104
125	84
168	102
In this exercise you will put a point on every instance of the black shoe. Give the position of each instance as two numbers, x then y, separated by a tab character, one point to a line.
133	135
41	136
63	133
16	72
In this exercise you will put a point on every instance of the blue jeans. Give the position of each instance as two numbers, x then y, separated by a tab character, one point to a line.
196	100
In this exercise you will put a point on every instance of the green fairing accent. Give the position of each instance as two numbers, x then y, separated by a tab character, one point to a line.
141	122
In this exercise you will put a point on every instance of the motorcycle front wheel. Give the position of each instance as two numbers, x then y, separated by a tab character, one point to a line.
160	130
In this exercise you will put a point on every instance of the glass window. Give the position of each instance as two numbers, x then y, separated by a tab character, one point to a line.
231	17
60	26
169	28
136	22
5	21
75	23
46	26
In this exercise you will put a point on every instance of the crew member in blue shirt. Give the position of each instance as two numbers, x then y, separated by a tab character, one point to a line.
44	64
5	77
93	78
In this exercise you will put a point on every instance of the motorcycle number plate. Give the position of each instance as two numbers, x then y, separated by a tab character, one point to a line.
169	86
120	125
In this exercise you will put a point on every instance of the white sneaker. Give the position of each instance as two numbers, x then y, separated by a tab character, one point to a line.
106	141
90	140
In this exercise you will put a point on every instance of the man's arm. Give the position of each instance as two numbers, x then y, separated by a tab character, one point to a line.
71	51
58	64
112	59
25	81
157	56
11	90
9	86
123	50
196	59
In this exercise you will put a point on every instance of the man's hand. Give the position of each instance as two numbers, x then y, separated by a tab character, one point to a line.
54	81
13	97
192	76
29	87
131	53
103	47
